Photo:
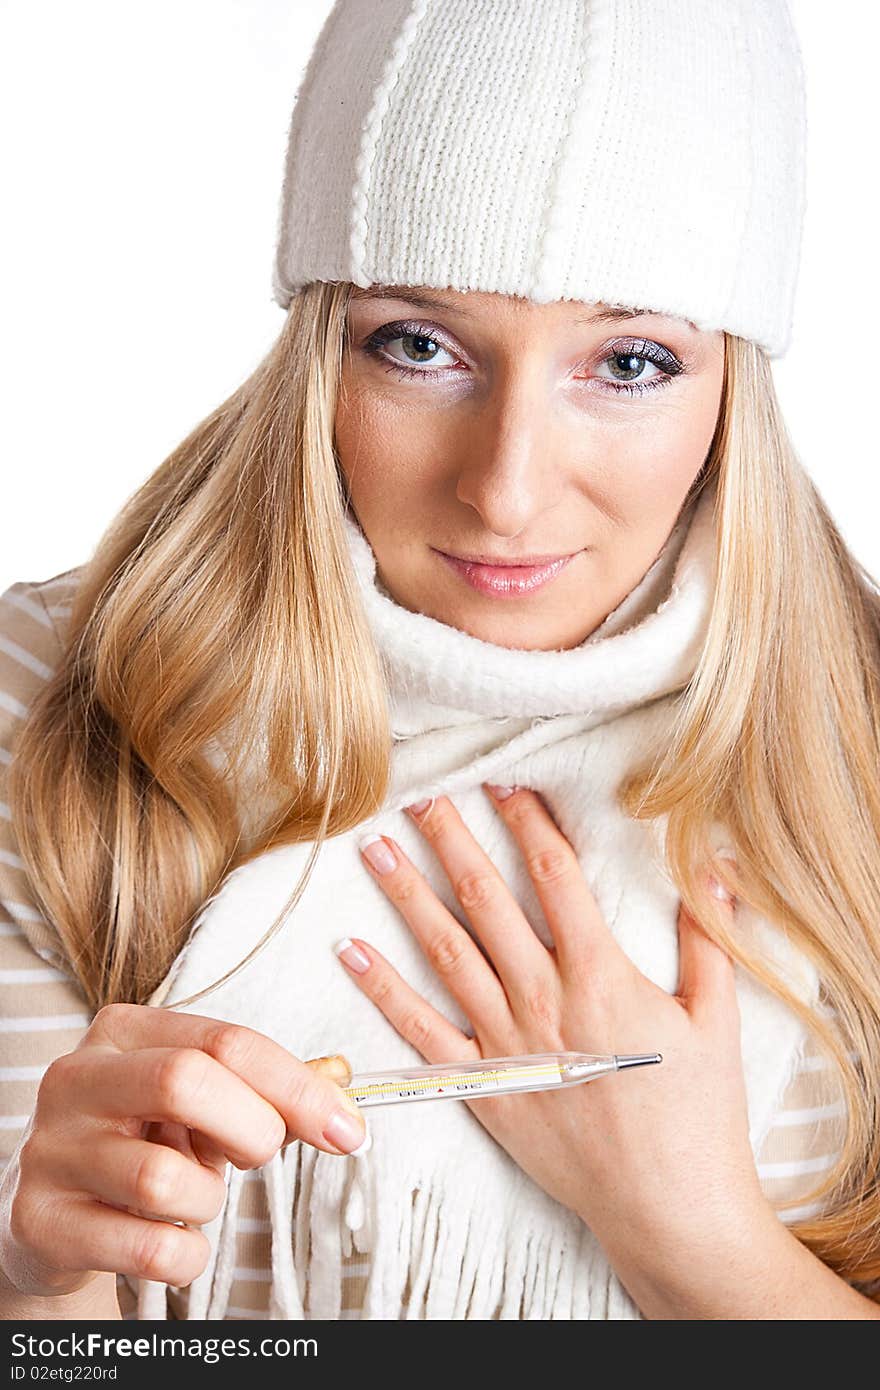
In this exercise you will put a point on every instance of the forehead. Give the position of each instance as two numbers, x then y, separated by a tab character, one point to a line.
477	304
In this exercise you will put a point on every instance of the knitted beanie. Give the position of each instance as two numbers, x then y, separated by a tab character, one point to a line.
642	153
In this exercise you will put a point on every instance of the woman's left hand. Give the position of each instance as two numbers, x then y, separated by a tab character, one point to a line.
662	1149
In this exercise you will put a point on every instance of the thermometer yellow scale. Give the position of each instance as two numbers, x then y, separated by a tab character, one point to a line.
489	1076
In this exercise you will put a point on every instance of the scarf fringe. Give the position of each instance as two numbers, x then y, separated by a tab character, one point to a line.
285	1294
440	1255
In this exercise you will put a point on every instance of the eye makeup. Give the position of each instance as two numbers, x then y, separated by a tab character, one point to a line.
626	355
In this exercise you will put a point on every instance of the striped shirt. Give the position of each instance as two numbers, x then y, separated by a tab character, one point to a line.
43	1013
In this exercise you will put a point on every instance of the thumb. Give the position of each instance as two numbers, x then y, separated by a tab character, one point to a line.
706	971
336	1067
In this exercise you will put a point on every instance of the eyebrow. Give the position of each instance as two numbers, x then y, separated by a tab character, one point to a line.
433	303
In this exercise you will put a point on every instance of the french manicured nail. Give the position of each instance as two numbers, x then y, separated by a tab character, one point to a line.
352	955
500	792
374	848
348	1132
419	806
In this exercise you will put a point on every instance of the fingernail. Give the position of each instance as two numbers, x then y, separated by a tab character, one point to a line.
348	1132
363	1148
374	848
352	955
500	792
718	890
418	807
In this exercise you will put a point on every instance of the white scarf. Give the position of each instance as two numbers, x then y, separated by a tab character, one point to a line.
436	1200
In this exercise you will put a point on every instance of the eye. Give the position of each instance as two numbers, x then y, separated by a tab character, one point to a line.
627	364
411	349
418	344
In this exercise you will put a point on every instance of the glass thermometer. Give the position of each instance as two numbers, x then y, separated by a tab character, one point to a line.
488	1076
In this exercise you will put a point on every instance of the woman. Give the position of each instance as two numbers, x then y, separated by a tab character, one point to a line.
684	693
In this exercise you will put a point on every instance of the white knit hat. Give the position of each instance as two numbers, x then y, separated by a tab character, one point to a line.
646	153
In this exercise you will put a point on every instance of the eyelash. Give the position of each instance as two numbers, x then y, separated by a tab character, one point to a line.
641	348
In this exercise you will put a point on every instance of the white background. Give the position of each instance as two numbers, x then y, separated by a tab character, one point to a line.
142	153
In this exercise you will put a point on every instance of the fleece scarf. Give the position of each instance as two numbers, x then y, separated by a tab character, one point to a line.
449	1225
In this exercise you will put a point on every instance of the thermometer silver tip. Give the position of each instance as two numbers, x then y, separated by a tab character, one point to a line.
638	1059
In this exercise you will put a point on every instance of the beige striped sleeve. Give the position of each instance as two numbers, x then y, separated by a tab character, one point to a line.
806	1139
32	625
43	1012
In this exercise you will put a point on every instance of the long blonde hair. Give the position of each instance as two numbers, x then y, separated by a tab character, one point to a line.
219	611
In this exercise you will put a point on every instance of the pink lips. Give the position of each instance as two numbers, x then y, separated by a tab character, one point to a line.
506	581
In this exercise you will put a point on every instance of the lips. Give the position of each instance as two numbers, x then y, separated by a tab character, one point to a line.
506	581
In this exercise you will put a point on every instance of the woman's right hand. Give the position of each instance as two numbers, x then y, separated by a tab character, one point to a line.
131	1133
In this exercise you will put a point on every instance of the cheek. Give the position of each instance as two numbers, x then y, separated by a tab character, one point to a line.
647	470
389	457
648	462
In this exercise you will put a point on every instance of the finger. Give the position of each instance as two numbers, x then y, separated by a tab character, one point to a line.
707	980
308	1101
417	1021
189	1142
450	949
83	1233
190	1087
573	915
181	1085
152	1179
192	1143
517	952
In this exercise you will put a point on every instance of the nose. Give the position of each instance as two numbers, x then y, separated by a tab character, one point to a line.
508	469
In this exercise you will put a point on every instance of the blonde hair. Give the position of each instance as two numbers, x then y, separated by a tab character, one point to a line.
219	612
